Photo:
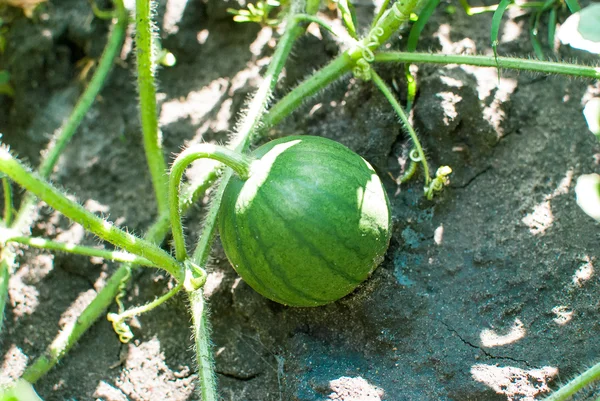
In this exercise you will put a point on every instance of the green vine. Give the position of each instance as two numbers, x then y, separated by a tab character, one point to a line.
172	200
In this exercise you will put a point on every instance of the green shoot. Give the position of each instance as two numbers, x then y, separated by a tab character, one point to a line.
385	90
261	13
413	40
118	320
382	10
533	35
551	26
496	21
348	16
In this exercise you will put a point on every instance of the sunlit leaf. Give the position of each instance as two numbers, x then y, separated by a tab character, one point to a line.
591	112
589	23
587	191
20	391
582	29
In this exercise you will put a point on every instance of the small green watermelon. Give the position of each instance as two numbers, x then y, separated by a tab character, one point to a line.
310	223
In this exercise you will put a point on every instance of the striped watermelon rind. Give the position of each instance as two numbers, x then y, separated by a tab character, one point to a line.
310	224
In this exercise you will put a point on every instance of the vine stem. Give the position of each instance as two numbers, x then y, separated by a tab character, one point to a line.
240	142
146	69
60	141
202	344
485	9
385	90
74	211
138	310
387	23
115	256
69	335
237	161
489	61
58	144
8	202
581	381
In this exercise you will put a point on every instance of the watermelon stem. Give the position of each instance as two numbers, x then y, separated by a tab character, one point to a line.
239	162
118	319
546	67
583	380
7	235
74	211
385	90
146	68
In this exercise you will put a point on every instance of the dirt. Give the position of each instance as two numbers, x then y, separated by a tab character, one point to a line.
488	292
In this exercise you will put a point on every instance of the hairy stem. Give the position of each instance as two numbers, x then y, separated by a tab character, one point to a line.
260	99
237	161
316	82
58	144
69	335
129	313
581	381
400	111
74	211
201	331
6	263
382	10
489	61
241	141
147	90
115	256
250	124
8	202
60	141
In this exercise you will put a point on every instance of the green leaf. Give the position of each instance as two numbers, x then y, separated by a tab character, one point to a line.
573	5
533	35
496	21
582	29
587	191
348	16
417	28
551	27
413	40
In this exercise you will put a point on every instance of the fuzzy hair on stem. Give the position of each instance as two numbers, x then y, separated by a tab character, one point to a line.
74	211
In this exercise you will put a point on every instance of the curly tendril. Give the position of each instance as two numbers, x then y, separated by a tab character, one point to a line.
119	325
362	70
414	155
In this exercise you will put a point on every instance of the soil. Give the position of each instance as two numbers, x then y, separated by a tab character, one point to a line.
488	292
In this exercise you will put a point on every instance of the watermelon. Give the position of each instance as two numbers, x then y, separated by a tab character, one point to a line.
310	223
